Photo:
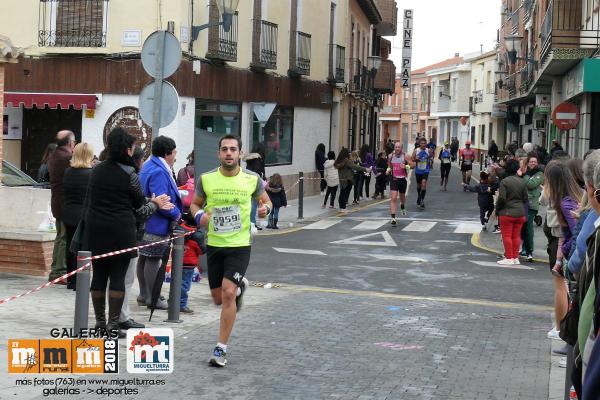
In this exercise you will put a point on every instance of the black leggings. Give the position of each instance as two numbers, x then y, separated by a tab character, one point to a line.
367	183
358	182
331	190
344	194
113	268
445	170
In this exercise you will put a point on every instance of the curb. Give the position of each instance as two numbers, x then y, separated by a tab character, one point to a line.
476	241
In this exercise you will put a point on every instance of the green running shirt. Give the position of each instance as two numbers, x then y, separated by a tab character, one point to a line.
228	199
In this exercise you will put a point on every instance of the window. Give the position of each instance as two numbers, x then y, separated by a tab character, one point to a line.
482	134
277	136
424	98
433	90
473	134
489	82
405	100
405	130
211	121
454	88
352	128
72	23
491	130
414	98
363	127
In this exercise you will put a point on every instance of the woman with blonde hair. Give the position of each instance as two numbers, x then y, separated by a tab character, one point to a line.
75	182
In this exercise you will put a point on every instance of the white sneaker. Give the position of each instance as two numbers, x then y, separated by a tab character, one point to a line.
516	261
562	362
506	261
553	334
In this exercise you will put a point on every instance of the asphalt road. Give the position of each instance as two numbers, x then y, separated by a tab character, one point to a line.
436	261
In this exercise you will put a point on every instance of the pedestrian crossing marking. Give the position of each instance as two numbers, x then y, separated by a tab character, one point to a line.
468	228
370	225
387	240
495	264
398	258
323	224
419	226
299	251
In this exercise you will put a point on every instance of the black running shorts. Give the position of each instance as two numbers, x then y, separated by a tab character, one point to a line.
421	177
398	185
465	168
226	262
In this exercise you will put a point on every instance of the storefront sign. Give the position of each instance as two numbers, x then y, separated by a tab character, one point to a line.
407	32
582	78
499	110
542	104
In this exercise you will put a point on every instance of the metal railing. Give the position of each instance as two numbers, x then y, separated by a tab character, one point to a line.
264	45
72	23
337	59
300	54
356	76
571	25
385	79
223	45
515	21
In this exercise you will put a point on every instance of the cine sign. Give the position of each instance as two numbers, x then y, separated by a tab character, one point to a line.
406	48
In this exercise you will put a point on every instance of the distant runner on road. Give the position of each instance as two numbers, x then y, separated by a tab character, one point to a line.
421	158
467	156
446	163
226	194
398	167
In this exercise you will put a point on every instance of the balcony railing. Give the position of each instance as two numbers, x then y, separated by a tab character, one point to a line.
72	23
222	45
300	53
570	25
356	76
385	79
337	61
264	45
515	21
391	110
527	9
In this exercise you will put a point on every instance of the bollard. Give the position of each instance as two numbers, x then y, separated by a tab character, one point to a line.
300	195
175	289
569	371
82	292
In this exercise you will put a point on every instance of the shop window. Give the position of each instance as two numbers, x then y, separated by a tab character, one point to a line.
212	121
277	136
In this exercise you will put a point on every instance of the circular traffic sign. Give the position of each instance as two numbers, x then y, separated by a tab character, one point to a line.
566	116
169	102
171	56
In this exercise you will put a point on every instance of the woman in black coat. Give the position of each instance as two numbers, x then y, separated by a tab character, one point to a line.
75	183
114	195
320	159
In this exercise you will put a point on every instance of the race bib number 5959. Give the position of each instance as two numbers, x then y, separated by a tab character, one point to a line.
226	219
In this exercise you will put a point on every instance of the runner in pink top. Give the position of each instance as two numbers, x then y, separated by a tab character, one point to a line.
398	166
467	157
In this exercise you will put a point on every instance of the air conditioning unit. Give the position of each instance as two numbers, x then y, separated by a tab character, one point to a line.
540	124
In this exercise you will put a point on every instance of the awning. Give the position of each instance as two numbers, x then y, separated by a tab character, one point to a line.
52	100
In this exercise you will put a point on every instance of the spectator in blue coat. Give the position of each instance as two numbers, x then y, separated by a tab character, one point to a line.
157	178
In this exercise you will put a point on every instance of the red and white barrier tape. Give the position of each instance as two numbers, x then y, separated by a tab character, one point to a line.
112	253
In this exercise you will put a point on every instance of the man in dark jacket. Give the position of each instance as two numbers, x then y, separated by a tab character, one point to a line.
493	151
57	164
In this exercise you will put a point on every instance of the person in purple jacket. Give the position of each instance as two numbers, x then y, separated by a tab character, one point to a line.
156	177
367	162
564	196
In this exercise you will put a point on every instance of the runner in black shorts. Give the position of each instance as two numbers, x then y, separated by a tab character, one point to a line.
467	157
445	165
226	194
398	166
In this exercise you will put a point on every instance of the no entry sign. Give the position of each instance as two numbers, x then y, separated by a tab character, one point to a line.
566	116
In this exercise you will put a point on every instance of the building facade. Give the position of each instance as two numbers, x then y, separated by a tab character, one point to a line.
546	50
278	77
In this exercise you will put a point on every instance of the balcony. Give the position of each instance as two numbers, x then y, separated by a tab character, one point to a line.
264	45
222	46
357	81
389	14
337	61
299	54
391	110
385	79
515	21
72	23
570	29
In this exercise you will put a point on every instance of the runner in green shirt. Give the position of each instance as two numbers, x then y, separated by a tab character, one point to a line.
226	194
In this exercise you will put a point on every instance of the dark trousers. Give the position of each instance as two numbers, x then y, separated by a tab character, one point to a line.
527	232
358	182
366	184
344	195
484	214
323	182
331	190
70	258
380	183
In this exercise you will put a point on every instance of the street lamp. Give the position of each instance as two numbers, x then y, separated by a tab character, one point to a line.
227	9
373	64
513	46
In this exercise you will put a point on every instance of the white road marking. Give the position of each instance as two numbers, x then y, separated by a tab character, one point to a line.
398	258
496	265
323	224
370	225
468	228
387	240
419	226
299	251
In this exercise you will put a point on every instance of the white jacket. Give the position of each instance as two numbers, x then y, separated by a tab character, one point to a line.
331	173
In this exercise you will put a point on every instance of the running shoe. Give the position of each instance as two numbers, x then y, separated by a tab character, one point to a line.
393	222
403	211
422	205
239	300
553	334
506	261
516	261
218	358
529	258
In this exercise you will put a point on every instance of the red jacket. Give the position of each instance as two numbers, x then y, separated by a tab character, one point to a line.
191	254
